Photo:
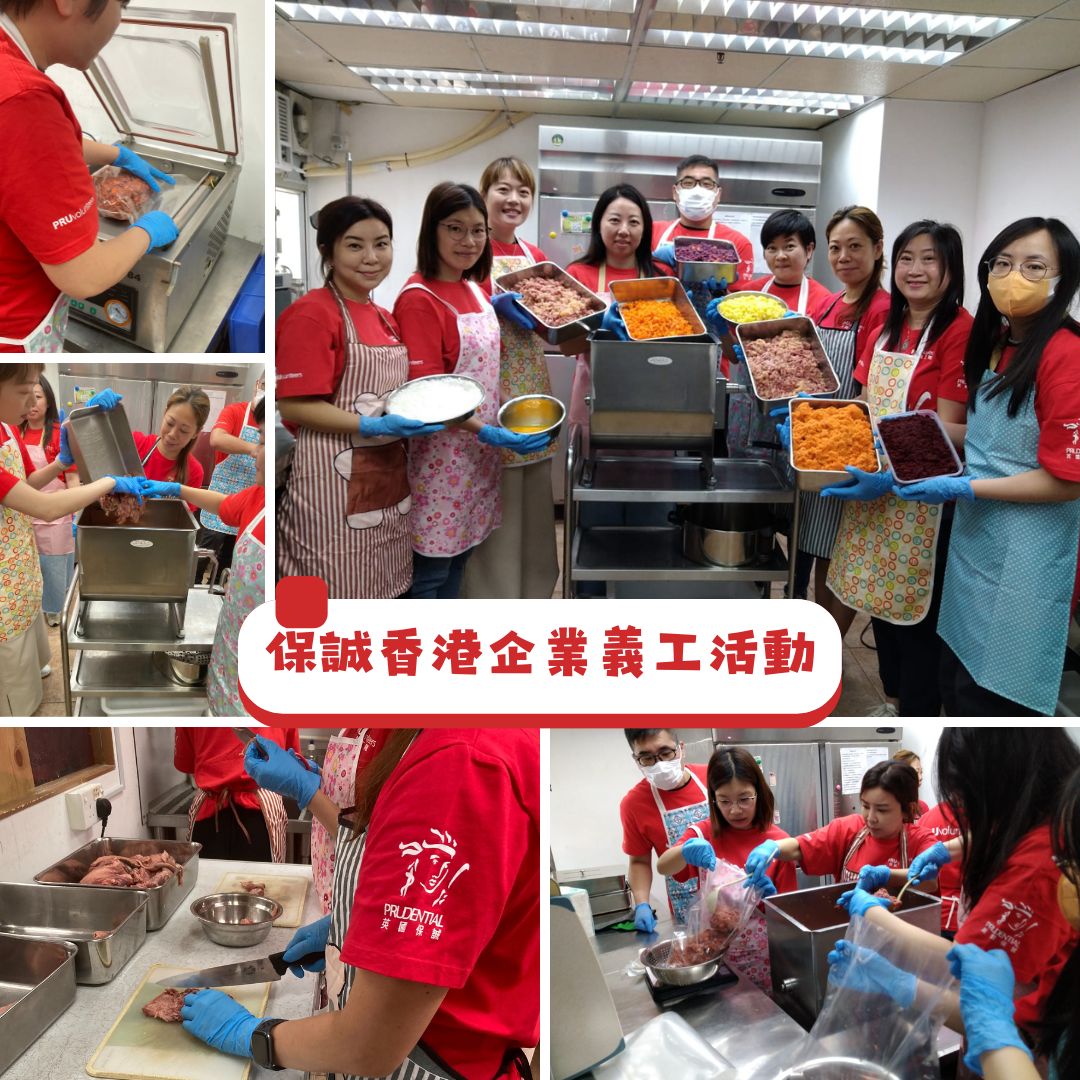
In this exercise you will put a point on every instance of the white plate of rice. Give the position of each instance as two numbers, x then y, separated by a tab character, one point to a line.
437	399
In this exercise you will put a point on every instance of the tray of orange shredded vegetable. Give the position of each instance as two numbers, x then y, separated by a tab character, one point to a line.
656	309
826	436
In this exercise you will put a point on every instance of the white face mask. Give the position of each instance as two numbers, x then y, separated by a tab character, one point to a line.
666	775
697	203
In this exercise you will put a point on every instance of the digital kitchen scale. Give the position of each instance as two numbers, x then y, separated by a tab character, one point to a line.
663	994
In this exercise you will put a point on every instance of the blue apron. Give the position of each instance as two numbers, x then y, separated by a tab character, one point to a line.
681	894
1007	597
234	474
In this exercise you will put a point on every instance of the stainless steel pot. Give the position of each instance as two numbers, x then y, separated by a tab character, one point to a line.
186	667
727	534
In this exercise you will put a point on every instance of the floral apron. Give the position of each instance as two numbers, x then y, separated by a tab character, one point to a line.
234	474
338	783
245	592
681	894
453	476
883	560
344	516
20	571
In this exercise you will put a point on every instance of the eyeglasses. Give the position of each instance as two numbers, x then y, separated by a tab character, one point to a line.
1033	269
665	753
459	232
743	802
688	183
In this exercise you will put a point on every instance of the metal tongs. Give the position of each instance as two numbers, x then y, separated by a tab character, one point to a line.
900	895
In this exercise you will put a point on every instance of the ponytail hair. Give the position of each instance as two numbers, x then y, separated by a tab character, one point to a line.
197	400
870	224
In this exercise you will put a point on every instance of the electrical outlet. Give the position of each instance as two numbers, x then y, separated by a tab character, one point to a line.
81	808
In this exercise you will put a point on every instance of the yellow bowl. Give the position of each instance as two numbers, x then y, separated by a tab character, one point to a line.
533	414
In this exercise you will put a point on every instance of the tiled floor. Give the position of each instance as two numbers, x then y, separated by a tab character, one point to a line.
52	702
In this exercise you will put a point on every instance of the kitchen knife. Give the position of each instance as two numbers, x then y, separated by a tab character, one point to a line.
269	969
246	735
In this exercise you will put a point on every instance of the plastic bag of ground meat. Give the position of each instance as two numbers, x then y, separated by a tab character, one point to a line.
120	195
722	909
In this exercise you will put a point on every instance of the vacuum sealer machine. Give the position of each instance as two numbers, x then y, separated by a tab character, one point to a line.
169	81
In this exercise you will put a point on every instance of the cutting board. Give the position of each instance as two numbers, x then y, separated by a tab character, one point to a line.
138	1047
289	892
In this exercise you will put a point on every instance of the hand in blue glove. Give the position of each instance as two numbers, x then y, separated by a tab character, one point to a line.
613	321
65	456
719	288
789	314
399	427
986	1001
858	902
128	160
768	889
506	308
308	939
699	853
280	771
865	486
106	399
493	435
715	319
128	485
737	351
938	489
159	227
758	862
665	254
158	489
872	878
219	1021
927	864
783	429
866	971
644	918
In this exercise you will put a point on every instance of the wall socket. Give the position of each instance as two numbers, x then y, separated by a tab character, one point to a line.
81	805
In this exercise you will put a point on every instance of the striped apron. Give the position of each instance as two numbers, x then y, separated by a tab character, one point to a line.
847	875
270	803
344	517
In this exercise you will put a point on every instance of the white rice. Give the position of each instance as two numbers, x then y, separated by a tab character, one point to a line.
435	400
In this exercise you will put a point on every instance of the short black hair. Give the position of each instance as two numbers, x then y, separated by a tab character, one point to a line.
443	200
636	734
899	780
336	218
696	159
19	8
788	223
259	411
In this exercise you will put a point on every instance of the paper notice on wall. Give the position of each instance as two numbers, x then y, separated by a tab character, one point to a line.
854	761
218	400
747	222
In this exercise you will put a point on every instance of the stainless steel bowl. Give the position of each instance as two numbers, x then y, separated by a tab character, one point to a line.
838	1068
727	534
394	398
655	958
740	295
219	914
522	413
188	667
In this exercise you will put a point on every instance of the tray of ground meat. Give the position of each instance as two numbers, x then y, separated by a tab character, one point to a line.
560	307
785	358
123	509
120	195
918	446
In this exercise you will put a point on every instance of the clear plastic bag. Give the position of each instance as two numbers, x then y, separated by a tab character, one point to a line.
722	909
121	195
654	1049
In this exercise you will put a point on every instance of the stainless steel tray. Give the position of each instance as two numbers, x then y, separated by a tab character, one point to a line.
690	273
659	288
102	443
76	915
554	335
163	899
37	979
882	428
816	479
772	328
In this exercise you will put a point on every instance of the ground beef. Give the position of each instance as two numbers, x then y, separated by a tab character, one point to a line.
554	302
120	195
714	251
167	1005
122	508
916	447
133	872
99	934
256	888
246	922
785	365
709	943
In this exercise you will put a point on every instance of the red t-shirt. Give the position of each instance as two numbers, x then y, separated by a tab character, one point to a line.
429	327
159	467
215	757
519	248
239	509
643	829
823	850
8	479
33	437
589	276
447	892
713	231
1057	404
231	421
839	318
941	826
815	291
940	371
735	845
311	342
1019	913
47	209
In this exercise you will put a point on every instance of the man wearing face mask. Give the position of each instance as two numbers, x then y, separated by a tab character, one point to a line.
696	193
655	814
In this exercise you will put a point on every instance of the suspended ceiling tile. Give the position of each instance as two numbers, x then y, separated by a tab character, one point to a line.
998	8
630	110
661	64
394	48
756	118
537	57
970	83
337	93
1069	10
485	103
866	77
1044	43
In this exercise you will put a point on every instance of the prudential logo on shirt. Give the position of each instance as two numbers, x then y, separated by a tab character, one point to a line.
67	219
433	867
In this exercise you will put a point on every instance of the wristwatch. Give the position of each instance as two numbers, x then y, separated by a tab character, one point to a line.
262	1045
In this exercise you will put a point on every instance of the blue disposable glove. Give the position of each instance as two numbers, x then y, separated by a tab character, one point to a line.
737	351
159	227
866	971
128	485
106	399
219	1021
308	939
783	429
858	902
613	321
280	771
506	308
938	489
131	162
715	319
158	489
986	1001
789	314
927	864
65	456
768	889
872	878
720	288
665	254
758	862
644	918
399	427
493	435
865	486
699	853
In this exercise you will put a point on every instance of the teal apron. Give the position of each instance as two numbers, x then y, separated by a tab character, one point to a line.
1007	597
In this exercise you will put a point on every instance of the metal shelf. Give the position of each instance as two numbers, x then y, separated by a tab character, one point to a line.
679	480
114	674
122	626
